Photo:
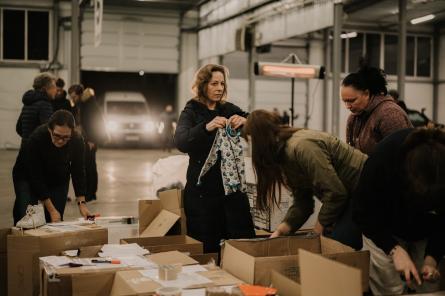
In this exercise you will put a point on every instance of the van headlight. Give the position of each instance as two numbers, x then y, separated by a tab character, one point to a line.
148	127
112	126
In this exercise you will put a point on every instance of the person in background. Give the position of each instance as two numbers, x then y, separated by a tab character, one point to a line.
60	101
37	106
285	119
52	154
168	118
374	115
395	95
399	205
36	110
309	163
91	124
211	215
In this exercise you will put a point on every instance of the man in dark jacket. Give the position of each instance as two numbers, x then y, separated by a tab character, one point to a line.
60	101
399	204
91	123
52	154
37	106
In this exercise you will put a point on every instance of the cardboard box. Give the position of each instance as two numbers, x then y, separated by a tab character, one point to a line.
135	283
319	276
3	261
284	285
322	276
78	281
132	282
252	260
159	217
172	257
182	243
24	250
207	258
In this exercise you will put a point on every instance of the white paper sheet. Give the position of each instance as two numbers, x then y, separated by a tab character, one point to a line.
115	250
183	281
137	261
55	261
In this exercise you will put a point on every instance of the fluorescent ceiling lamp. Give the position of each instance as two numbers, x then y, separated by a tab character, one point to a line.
349	35
422	19
289	70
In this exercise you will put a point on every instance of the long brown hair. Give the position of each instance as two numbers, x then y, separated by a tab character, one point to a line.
268	136
202	79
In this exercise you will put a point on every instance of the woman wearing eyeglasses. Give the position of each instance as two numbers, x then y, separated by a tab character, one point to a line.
53	153
211	214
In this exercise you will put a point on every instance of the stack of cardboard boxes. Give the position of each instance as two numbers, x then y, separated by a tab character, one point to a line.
25	247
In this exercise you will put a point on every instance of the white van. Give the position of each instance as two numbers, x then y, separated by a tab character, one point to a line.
127	118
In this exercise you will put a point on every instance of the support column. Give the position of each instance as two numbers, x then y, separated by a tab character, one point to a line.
326	62
75	42
401	66
336	67
252	58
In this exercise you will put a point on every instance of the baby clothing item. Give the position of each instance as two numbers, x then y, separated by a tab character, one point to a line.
228	143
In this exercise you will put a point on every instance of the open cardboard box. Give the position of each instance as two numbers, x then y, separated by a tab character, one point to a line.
159	217
252	260
78	280
319	276
182	243
25	248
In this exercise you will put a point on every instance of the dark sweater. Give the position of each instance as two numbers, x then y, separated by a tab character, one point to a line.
383	211
36	110
381	117
45	166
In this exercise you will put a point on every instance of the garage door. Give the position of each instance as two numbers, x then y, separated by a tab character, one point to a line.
132	40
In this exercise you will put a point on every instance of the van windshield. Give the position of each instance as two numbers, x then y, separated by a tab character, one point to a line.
126	108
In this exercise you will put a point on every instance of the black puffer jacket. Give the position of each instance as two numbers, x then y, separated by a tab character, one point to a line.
191	137
36	110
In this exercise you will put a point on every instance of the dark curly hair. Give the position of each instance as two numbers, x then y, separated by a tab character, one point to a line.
367	78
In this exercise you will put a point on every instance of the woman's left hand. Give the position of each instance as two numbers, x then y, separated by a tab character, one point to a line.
429	270
236	121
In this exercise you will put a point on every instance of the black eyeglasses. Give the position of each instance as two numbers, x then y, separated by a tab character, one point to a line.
60	137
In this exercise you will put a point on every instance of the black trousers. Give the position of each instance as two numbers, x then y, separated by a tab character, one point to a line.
211	218
91	172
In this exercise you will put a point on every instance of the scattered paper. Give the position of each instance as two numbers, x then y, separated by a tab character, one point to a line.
116	251
55	261
137	261
193	268
71	253
184	280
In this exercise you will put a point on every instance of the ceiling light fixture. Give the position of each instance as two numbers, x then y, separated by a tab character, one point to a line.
348	35
422	19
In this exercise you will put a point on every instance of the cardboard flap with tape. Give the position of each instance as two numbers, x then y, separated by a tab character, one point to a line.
172	257
150	209
161	224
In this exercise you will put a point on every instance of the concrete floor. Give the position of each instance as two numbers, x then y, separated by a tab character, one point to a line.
124	177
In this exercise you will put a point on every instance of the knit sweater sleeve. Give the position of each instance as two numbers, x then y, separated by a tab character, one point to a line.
391	119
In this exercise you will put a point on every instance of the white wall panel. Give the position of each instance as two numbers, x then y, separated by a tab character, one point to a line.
11	91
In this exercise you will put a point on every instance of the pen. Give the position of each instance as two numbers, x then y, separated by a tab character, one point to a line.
114	261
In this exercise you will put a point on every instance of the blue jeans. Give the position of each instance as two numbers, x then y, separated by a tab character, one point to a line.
24	196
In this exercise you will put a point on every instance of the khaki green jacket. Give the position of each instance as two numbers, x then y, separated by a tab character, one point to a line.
316	163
